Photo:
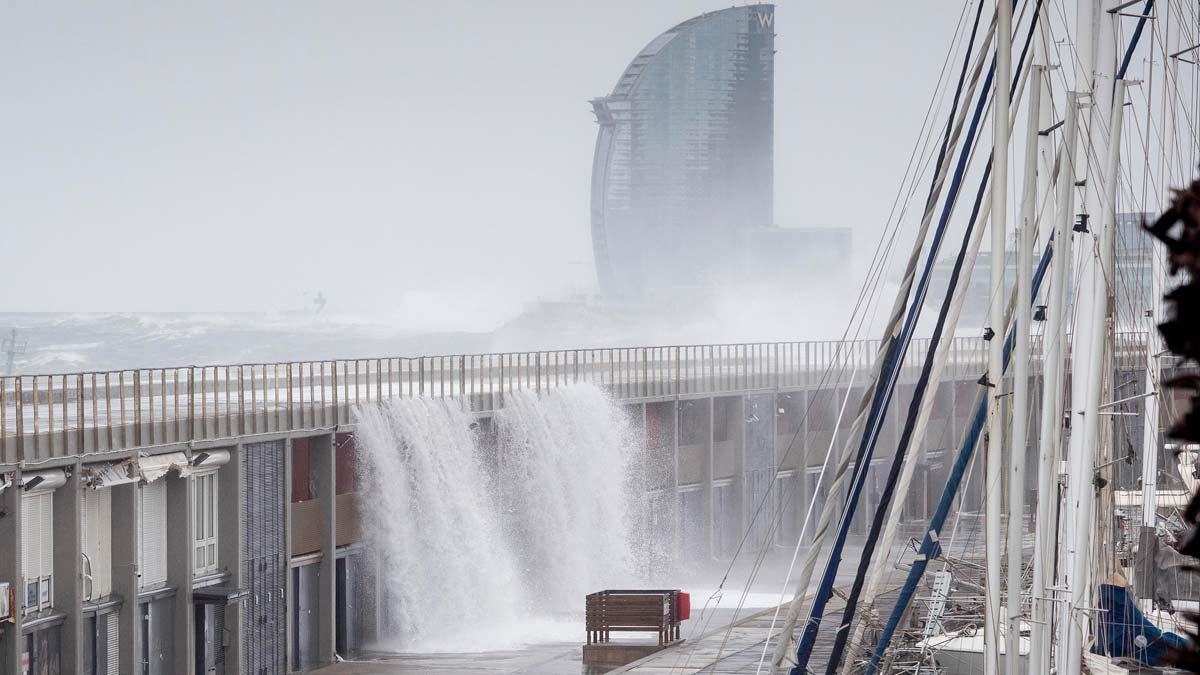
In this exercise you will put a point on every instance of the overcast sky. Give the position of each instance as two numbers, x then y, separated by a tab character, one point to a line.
243	155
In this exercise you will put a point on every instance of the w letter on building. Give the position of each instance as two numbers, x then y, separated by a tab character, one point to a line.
766	19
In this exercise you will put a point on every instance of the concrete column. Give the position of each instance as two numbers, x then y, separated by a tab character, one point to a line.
229	547
707	479
674	481
323	459
181	569
712	445
802	494
125	504
739	454
290	618
10	571
68	551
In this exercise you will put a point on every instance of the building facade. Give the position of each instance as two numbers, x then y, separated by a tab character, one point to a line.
684	156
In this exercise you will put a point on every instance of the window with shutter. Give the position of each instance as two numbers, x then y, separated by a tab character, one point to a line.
37	555
205	514
97	543
30	548
153	520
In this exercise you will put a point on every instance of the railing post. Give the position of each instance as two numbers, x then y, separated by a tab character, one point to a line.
645	372
291	420
191	403
20	421
336	398
79	420
137	407
677	376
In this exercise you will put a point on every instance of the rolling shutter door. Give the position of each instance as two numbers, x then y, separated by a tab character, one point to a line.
153	540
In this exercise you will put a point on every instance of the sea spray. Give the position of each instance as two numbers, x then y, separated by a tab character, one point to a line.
565	486
492	535
445	568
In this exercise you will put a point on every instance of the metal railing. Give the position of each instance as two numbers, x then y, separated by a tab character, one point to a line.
59	415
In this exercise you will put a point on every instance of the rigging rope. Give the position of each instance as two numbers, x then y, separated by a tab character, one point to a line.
883	394
918	393
929	545
827	514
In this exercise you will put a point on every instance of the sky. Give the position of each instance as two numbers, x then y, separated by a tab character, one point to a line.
396	156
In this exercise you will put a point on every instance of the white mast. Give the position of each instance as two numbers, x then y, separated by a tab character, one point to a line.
995	376
1022	316
1088	418
1096	59
1150	433
1050	433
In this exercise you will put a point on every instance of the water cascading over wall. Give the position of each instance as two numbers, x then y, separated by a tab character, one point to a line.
495	535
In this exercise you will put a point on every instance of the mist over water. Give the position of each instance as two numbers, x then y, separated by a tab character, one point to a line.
491	538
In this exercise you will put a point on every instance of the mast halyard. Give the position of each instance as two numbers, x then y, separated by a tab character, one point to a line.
995	371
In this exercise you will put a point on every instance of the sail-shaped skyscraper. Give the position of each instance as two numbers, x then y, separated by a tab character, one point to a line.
683	167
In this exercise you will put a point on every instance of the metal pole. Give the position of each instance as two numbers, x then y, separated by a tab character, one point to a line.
995	460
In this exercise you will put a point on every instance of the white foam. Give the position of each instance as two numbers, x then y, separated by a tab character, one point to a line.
485	551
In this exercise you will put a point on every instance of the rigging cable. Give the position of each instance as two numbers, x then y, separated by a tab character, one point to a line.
915	404
884	394
929	545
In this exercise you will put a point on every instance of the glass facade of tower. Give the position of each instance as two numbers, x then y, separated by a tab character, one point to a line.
684	162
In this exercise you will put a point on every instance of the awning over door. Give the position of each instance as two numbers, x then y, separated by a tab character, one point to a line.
218	595
153	467
110	474
209	459
43	481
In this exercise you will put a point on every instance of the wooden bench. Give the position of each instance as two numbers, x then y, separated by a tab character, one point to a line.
630	611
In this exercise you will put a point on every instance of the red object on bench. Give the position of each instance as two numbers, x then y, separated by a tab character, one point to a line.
683	606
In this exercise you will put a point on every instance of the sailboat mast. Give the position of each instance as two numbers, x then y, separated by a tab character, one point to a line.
995	437
1151	439
1050	432
1017	440
1088	418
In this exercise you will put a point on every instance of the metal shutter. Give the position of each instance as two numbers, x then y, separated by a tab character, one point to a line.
31	523
264	565
112	639
97	540
37	535
218	641
47	536
153	550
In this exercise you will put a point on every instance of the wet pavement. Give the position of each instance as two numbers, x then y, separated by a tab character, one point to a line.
551	658
702	646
